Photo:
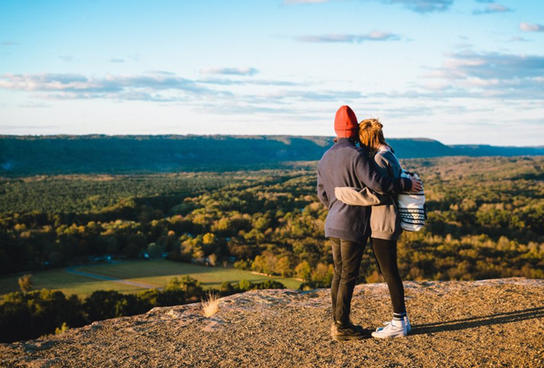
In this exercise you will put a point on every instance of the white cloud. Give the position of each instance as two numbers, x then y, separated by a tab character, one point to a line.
161	86
493	8
242	82
66	58
423	6
528	27
518	39
78	86
492	75
304	1
231	71
418	6
350	38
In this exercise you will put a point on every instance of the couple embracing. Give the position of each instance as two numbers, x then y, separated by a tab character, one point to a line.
369	169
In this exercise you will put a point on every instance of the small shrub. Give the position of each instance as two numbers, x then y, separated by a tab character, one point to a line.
310	285
63	328
244	285
226	288
268	284
25	283
210	306
242	265
170	297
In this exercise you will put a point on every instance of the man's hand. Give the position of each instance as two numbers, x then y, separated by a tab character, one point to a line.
417	184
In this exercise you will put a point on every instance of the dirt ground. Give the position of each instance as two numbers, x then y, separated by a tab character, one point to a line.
491	323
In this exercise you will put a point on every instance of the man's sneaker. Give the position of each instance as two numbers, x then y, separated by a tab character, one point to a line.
347	332
395	328
334	327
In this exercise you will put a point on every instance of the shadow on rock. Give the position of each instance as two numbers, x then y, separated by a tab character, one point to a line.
465	323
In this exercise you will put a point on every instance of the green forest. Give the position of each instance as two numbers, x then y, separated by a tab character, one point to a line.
485	220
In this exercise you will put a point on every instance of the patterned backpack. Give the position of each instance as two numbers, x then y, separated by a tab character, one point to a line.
412	210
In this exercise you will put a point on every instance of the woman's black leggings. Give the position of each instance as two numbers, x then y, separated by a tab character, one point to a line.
386	255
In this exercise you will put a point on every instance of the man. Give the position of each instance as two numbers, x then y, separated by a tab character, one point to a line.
346	165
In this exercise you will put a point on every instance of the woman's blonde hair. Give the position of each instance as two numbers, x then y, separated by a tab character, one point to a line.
371	134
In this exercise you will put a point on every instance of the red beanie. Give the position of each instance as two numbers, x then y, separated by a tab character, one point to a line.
345	122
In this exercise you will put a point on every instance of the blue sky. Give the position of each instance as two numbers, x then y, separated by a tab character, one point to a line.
460	71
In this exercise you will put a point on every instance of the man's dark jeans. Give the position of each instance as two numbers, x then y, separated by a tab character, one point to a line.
347	259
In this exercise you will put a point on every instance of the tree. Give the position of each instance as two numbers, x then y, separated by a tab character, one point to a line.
244	285
25	283
208	239
154	250
102	304
323	273
259	264
191	287
226	288
212	259
303	271
283	267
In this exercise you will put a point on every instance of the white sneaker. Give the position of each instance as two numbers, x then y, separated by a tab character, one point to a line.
395	328
406	321
408	325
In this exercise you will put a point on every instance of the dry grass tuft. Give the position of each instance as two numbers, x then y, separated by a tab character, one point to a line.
210	306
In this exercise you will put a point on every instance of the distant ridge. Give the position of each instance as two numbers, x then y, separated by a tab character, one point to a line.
487	150
66	154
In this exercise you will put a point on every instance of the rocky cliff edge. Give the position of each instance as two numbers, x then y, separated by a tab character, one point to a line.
489	323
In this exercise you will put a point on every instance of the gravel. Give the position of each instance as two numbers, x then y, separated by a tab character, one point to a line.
489	323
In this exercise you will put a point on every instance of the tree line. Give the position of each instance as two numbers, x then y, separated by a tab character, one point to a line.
30	314
485	212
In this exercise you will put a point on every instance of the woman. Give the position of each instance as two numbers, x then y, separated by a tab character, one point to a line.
385	226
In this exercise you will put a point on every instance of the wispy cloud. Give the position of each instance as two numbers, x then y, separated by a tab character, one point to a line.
8	43
230	71
423	6
492	8
246	82
29	127
306	95
163	86
494	75
493	65
66	58
34	105
350	38
117	60
518	39
418	6
78	86
304	1
529	27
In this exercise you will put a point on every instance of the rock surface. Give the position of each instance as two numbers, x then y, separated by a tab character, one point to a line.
490	323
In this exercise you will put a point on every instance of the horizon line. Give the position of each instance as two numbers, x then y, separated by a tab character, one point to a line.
61	135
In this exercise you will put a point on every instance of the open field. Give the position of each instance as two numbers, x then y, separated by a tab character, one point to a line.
132	276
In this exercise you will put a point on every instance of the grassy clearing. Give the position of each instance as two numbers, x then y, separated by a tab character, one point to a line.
61	280
153	272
